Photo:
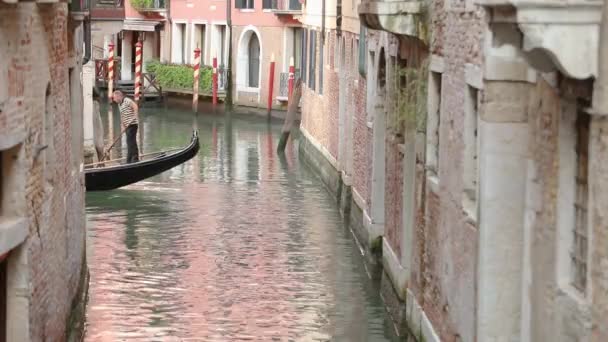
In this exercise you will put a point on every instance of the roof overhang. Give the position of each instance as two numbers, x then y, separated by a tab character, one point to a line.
397	17
563	35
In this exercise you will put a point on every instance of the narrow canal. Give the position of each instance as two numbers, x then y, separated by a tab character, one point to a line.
237	244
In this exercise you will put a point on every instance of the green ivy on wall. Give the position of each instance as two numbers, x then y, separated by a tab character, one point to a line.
411	104
180	76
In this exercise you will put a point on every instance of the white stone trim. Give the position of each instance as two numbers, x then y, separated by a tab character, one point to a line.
432	181
397	273
417	320
319	147
13	231
240	61
437	64
500	68
564	35
358	199
473	76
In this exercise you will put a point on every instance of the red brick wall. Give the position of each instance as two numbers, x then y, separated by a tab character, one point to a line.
35	55
320	113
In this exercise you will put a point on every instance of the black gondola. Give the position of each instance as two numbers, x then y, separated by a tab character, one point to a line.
100	177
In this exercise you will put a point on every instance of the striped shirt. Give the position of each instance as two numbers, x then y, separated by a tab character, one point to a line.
127	115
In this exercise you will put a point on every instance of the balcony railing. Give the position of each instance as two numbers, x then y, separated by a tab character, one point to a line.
79	7
284	83
101	71
286	7
149	5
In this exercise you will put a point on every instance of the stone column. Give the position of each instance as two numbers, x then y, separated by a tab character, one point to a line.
88	80
127	56
503	134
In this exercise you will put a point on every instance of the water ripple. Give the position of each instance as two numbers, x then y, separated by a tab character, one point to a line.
236	245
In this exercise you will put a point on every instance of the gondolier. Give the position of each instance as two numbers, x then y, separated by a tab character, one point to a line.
129	118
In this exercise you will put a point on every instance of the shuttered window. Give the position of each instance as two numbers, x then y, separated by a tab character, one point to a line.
362	52
313	57
321	61
304	55
244	4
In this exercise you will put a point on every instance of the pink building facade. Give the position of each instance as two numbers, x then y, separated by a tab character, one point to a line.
263	30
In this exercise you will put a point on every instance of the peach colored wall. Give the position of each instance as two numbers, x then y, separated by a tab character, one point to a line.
130	12
209	10
259	17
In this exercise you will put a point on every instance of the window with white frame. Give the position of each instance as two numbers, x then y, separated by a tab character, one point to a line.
433	122
580	230
471	143
244	4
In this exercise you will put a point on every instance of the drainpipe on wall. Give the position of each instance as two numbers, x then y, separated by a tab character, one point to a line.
228	86
600	86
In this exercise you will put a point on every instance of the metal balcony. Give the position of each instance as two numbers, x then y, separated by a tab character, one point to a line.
286	7
150	6
79	9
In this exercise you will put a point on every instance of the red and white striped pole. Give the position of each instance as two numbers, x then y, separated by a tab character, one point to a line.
214	85
270	84
197	66
292	76
110	71
137	70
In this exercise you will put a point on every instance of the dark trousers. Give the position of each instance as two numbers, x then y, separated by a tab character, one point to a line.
132	150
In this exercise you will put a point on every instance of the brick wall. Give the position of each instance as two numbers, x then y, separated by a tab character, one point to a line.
36	54
320	113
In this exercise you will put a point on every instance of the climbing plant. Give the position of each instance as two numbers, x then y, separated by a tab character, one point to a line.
142	4
411	99
180	76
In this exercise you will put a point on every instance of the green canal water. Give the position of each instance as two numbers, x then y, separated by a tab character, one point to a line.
236	244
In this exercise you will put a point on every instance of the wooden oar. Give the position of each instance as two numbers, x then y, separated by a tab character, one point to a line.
115	141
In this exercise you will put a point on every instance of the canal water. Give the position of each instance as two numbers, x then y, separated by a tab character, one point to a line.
234	245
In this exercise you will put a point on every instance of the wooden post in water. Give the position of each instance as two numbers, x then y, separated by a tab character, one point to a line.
270	85
290	118
197	66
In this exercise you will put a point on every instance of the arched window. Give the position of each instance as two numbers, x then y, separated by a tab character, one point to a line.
381	71
254	62
249	53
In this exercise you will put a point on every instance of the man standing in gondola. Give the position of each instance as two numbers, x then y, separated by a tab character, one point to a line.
129	115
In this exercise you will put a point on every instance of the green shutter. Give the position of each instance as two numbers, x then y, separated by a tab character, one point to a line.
362	51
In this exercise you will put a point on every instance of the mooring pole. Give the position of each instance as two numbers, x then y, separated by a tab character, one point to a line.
197	65
270	85
110	72
137	70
